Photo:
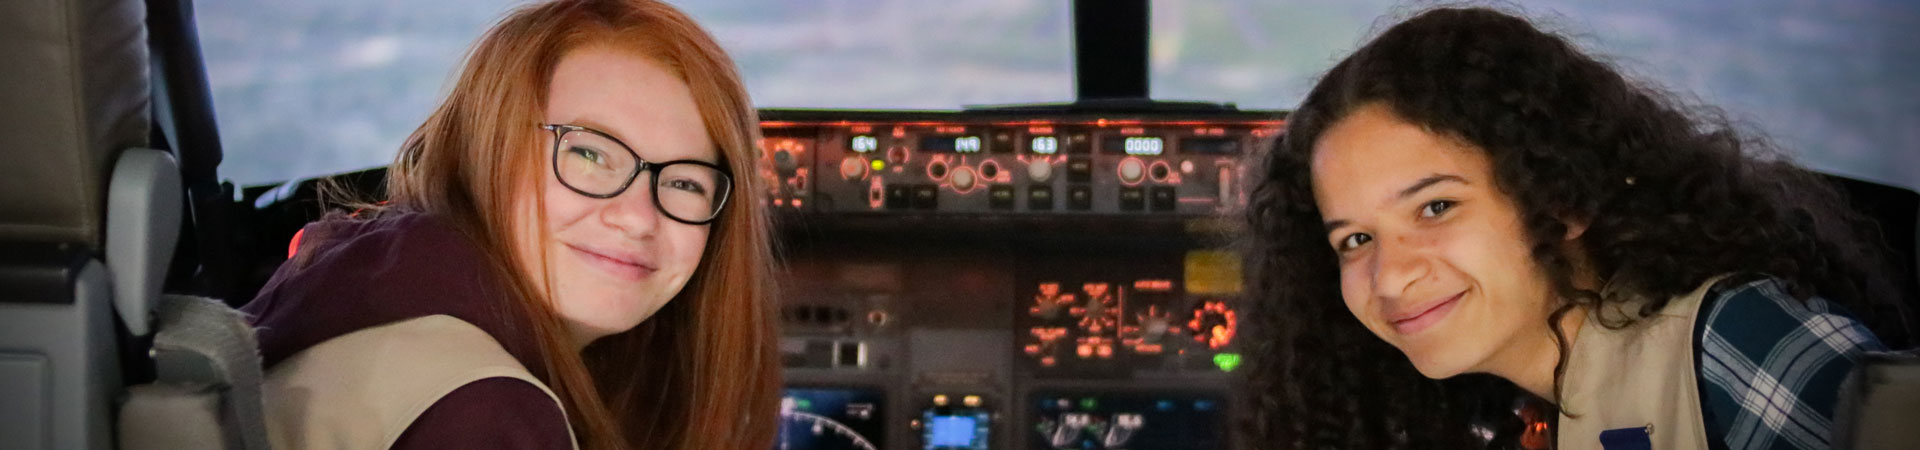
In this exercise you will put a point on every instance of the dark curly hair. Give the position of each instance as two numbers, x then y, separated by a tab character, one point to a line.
1673	196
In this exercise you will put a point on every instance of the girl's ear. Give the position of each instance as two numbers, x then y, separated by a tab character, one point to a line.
1576	226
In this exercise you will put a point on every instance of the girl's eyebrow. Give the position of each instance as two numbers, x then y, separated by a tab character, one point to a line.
1415	188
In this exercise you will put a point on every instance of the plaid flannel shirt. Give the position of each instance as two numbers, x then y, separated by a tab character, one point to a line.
1770	366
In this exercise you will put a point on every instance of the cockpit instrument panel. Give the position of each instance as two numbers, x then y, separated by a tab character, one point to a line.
831	419
1013	280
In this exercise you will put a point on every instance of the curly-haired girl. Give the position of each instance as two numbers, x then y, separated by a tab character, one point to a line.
1467	194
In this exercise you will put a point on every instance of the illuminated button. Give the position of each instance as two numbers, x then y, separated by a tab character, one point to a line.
899	196
1079	143
1159	171
878	165
1186	167
1226	362
1080	198
940	400
1162	198
1225	188
990	170
1040	170
1132	170
853	167
926	197
1132	198
1000	197
897	155
963	179
937	170
971	401
1079	170
1040	198
850	354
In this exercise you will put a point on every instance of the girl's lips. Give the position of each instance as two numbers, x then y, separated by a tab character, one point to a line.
1426	319
613	266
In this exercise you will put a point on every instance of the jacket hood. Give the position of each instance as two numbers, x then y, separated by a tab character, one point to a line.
349	274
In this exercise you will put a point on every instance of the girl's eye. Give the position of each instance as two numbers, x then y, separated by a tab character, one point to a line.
688	186
1353	240
588	154
1435	208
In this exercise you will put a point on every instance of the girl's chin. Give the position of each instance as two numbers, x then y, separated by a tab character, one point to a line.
1437	367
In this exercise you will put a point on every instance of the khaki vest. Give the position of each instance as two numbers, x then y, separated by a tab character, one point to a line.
361	390
1641	376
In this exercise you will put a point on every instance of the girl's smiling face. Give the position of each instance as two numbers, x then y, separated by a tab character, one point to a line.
1434	258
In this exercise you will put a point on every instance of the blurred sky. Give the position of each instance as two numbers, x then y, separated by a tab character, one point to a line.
306	88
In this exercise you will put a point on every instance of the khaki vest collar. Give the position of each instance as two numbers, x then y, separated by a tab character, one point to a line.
363	389
1638	377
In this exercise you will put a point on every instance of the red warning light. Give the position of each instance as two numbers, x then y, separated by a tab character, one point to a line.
293	246
1214	324
1153	285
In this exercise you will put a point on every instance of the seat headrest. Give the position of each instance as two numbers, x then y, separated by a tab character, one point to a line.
73	94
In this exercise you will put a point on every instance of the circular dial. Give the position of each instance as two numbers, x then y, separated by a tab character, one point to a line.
1132	170
1214	324
1159	171
962	179
802	430
853	167
1152	329
937	170
1044	340
1050	303
1099	322
1040	170
1101	311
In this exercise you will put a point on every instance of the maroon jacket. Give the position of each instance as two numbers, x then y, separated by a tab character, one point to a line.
354	274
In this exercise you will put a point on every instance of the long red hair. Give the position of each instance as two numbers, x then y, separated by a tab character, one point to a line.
702	373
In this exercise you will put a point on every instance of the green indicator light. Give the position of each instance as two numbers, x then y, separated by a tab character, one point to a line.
878	164
1089	404
804	404
1226	361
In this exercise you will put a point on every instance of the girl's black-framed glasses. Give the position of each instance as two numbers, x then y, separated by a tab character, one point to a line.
597	165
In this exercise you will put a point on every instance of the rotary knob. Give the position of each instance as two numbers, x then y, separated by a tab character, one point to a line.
937	170
1040	170
897	155
1132	170
852	167
963	179
783	160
